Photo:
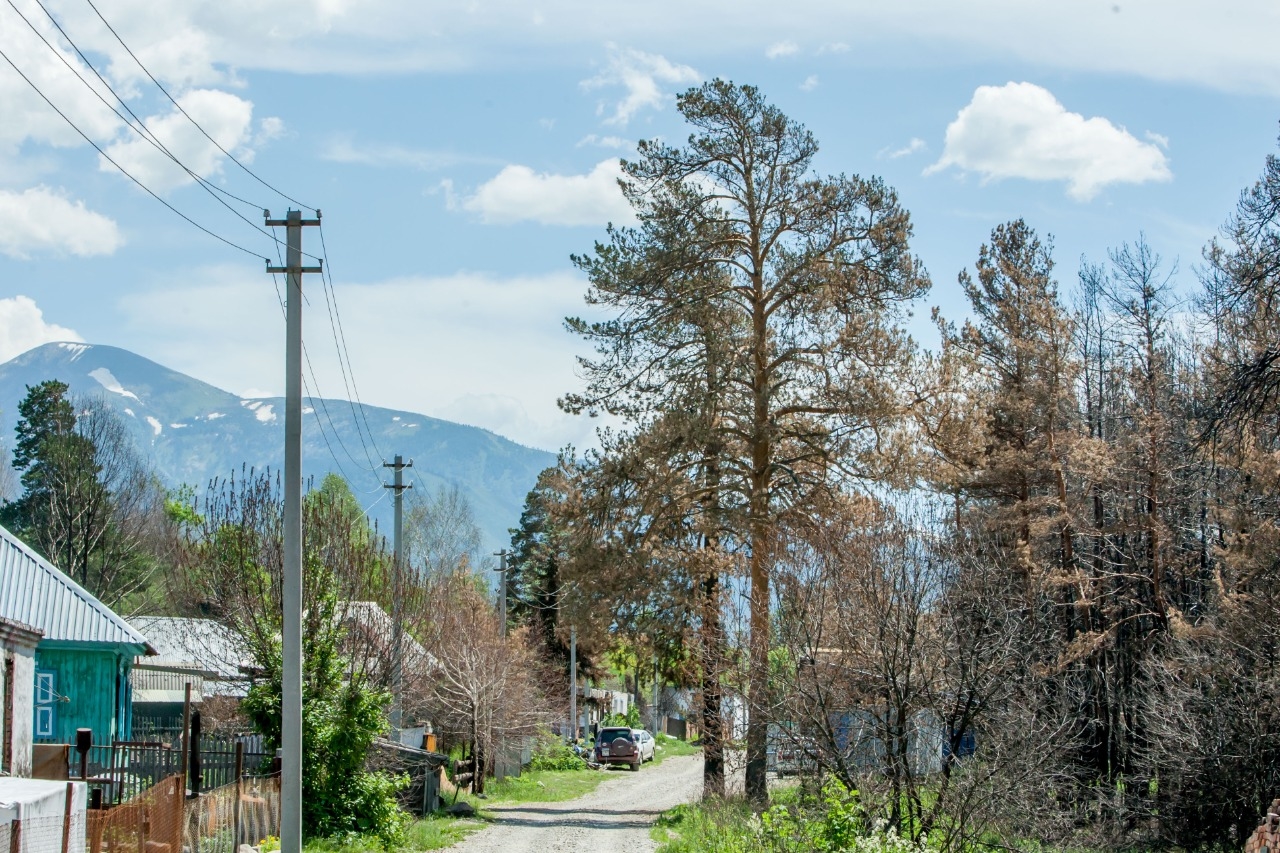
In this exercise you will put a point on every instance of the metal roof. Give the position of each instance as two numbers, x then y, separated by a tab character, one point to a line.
196	645
34	592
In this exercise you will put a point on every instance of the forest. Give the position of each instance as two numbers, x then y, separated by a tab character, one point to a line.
1017	588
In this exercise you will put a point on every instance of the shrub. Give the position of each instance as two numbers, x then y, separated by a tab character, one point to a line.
553	755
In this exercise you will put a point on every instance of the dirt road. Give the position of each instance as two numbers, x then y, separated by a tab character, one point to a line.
614	818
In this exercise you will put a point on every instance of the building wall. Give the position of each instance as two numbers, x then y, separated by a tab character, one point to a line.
18	737
91	687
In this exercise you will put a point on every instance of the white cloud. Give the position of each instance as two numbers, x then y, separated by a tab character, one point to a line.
1020	130
499	342
810	83
780	49
225	117
346	150
1226	45
44	220
833	47
645	77
914	146
518	193
605	141
22	327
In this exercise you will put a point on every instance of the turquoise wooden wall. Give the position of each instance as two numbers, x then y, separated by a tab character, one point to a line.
91	683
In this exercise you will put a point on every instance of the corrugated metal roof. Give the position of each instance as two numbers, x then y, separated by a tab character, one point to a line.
34	592
200	643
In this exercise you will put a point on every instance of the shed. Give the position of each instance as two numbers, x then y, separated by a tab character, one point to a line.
82	662
201	652
17	695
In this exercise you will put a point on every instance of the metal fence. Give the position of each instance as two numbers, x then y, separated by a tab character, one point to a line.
126	769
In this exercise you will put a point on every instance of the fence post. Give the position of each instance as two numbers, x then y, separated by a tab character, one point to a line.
235	847
15	836
66	818
186	740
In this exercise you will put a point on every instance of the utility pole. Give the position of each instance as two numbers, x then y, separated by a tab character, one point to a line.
502	589
573	683
397	592
654	712
291	683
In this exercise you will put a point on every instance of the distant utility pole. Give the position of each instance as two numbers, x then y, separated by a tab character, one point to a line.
573	683
397	592
654	712
502	588
291	684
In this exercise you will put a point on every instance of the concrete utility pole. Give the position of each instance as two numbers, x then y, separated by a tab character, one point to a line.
654	712
573	683
502	589
291	684
397	592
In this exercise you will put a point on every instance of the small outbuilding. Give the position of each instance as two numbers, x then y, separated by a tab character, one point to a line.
17	696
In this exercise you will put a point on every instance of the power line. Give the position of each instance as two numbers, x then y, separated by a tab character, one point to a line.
141	129
333	427
122	169
373	466
174	101
340	341
149	136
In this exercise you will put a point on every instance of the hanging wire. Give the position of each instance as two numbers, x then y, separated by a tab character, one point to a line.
174	101
122	169
141	128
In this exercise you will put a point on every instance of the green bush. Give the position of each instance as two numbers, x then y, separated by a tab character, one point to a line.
631	719
341	717
553	755
794	824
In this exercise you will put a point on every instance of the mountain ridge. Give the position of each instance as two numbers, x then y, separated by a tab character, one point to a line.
192	432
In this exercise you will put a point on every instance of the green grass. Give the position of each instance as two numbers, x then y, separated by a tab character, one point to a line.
669	747
543	786
708	827
429	833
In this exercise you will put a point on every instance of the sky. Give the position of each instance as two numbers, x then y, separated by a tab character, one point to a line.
460	152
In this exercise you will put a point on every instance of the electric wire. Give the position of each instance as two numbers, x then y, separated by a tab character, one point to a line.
141	128
122	169
330	305
174	101
327	273
372	466
318	397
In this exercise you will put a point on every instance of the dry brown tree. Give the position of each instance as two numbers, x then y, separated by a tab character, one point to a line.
899	672
481	690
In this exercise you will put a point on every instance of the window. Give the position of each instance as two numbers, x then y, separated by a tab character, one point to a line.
46	703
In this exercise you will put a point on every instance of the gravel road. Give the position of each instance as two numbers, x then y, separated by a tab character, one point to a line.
614	818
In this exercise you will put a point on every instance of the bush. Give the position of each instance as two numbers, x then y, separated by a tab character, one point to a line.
832	822
553	755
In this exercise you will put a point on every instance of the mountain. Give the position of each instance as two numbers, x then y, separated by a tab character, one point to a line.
193	432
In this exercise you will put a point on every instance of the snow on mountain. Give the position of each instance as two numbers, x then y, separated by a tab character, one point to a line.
212	433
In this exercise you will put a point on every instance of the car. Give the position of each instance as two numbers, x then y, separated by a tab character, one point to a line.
616	745
648	746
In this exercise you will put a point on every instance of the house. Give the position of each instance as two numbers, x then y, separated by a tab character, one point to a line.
204	653
17	696
83	658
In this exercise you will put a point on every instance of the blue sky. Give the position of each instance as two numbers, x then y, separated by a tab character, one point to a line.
460	151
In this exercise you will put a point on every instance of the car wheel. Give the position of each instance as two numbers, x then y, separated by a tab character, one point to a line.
635	768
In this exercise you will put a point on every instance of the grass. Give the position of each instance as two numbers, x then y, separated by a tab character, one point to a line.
429	833
707	827
669	747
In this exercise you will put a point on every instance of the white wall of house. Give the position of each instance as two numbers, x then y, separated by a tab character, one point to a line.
18	703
